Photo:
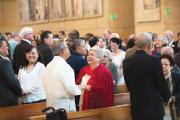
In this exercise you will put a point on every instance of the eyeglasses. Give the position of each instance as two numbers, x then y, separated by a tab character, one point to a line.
166	65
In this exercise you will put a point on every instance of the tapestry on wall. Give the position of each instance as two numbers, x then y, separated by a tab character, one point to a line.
36	11
32	11
147	10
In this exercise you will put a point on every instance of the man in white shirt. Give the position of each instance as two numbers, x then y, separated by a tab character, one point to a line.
59	80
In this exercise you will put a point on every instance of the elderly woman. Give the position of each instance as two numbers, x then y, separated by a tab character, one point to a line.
169	51
96	81
59	80
111	66
160	42
173	80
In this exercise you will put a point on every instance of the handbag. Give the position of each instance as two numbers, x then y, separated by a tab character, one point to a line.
59	114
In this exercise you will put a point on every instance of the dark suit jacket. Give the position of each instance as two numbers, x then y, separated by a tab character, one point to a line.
9	85
148	88
177	59
45	53
176	90
175	46
77	62
19	55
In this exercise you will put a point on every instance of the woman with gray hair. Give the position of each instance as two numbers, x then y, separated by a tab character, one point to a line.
107	61
169	51
159	43
96	82
59	80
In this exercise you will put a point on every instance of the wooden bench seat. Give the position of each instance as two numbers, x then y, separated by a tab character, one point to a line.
121	112
121	98
21	112
122	88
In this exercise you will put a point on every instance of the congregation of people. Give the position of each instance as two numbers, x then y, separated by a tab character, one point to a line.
78	72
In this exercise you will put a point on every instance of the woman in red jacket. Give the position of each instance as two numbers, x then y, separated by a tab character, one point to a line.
96	81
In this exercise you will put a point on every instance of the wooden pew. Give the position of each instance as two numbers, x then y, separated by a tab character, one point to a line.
121	98
121	112
122	88
21	112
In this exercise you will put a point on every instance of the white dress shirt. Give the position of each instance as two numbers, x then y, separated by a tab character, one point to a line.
59	84
31	83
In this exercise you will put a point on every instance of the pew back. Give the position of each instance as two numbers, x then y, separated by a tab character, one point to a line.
121	112
122	88
21	112
121	98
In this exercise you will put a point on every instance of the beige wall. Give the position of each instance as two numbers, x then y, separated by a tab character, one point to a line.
0	15
125	21
123	25
167	22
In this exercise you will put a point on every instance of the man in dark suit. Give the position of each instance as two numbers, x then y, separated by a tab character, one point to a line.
176	44
77	60
9	86
144	79
45	46
19	57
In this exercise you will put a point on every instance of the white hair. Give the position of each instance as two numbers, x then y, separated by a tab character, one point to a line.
163	39
59	46
25	31
114	35
169	35
167	51
108	54
143	39
168	32
99	52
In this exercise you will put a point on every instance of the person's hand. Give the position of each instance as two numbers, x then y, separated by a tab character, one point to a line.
170	100
82	87
88	87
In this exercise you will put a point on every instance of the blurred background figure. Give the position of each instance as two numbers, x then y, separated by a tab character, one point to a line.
45	47
169	36
27	35
176	44
62	35
107	61
160	42
118	56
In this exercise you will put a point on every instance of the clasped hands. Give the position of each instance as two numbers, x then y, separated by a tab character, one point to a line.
171	100
84	87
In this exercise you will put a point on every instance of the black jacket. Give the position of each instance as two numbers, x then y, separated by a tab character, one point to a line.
177	59
148	88
45	53
77	62
176	90
9	86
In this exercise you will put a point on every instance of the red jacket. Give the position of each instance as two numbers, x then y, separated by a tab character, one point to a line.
101	93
